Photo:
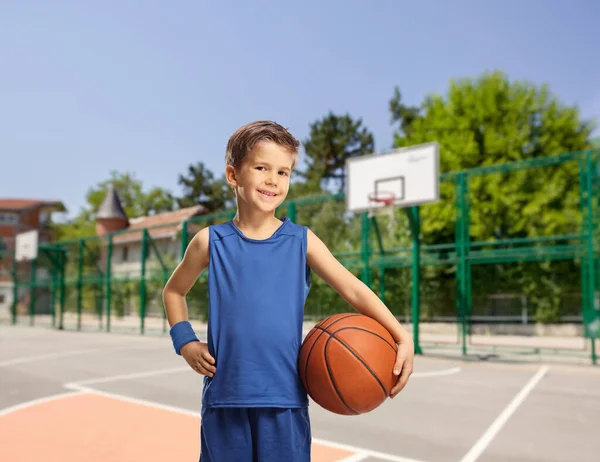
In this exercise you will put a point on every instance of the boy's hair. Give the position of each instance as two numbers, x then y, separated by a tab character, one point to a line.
246	137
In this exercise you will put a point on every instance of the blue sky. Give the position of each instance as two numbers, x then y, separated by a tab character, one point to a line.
152	86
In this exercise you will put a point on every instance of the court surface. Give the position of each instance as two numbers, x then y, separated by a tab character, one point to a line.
72	396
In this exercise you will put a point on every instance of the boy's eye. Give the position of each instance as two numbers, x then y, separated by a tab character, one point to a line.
283	173
260	168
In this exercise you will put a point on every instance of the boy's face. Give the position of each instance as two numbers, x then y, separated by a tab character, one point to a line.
263	180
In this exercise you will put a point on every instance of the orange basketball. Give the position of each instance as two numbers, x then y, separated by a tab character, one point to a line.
346	363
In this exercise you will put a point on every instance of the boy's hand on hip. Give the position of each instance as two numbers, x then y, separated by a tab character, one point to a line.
197	356
404	365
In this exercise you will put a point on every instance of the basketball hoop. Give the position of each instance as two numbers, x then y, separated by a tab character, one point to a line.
382	203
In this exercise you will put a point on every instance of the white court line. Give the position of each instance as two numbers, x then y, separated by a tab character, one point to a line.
134	375
79	387
356	457
127	399
35	402
485	439
27	359
453	370
361	451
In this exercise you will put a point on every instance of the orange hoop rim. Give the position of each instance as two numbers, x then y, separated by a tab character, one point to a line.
385	197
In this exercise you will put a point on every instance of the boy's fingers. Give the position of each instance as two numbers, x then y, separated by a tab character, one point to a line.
398	366
406	371
202	370
209	367
208	357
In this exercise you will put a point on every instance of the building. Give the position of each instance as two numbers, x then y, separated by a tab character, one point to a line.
164	229
17	216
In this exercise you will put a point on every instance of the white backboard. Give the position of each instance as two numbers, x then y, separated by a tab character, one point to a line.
26	246
411	174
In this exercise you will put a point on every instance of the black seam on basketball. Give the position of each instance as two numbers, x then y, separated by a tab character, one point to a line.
313	331
319	326
313	345
349	315
393	347
332	378
360	359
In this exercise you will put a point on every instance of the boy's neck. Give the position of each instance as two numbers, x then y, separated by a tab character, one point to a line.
256	225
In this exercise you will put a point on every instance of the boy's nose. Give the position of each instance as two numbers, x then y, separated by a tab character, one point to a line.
272	179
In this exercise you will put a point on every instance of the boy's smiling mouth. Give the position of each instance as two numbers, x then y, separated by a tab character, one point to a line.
267	193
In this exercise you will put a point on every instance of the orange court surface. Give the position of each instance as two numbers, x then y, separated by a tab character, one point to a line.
85	396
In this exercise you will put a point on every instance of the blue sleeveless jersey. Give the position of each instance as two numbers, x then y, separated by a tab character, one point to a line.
257	290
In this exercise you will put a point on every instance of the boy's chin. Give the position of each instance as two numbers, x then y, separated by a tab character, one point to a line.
266	208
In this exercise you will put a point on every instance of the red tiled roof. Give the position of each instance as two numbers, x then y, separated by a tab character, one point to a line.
160	225
20	204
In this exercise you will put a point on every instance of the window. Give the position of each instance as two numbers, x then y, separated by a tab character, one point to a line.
125	254
8	219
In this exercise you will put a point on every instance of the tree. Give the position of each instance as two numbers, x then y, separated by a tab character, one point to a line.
402	114
492	120
201	187
135	201
332	140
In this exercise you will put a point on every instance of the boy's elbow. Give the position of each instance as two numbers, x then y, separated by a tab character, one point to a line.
169	292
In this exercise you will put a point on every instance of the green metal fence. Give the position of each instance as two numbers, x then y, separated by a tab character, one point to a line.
509	249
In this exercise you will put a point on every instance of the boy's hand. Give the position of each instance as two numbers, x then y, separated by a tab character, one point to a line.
404	365
197	356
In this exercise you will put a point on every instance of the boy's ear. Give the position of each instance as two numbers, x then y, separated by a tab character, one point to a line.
230	176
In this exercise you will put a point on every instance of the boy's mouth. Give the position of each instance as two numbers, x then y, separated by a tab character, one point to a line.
267	193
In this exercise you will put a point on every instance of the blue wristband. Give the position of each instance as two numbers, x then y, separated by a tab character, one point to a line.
182	334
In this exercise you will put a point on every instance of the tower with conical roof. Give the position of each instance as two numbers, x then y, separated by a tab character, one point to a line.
111	216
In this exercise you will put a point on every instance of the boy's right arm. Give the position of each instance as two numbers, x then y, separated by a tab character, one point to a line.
184	277
194	262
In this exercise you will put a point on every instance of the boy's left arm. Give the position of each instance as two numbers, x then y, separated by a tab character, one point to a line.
363	300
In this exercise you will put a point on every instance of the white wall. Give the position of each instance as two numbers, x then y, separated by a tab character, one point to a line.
128	262
6	296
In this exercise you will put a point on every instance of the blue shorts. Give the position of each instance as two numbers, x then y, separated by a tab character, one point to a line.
255	435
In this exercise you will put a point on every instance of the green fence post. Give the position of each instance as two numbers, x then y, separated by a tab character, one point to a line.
32	285
80	282
365	249
291	209
15	278
381	259
53	283
468	294
415	229
61	292
165	279
108	280
591	284
461	273
143	281
184	238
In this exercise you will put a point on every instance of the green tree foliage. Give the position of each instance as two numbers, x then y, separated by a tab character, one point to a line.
200	187
491	120
332	140
135	201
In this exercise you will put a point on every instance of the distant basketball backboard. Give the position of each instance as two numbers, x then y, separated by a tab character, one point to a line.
26	246
400	178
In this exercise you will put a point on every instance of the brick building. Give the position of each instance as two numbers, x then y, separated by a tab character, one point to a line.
17	216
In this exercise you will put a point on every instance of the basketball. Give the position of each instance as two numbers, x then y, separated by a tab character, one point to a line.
346	363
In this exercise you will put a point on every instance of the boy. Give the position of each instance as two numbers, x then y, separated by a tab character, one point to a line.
254	407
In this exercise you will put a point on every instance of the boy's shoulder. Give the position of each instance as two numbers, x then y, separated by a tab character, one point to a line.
288	228
291	228
221	230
